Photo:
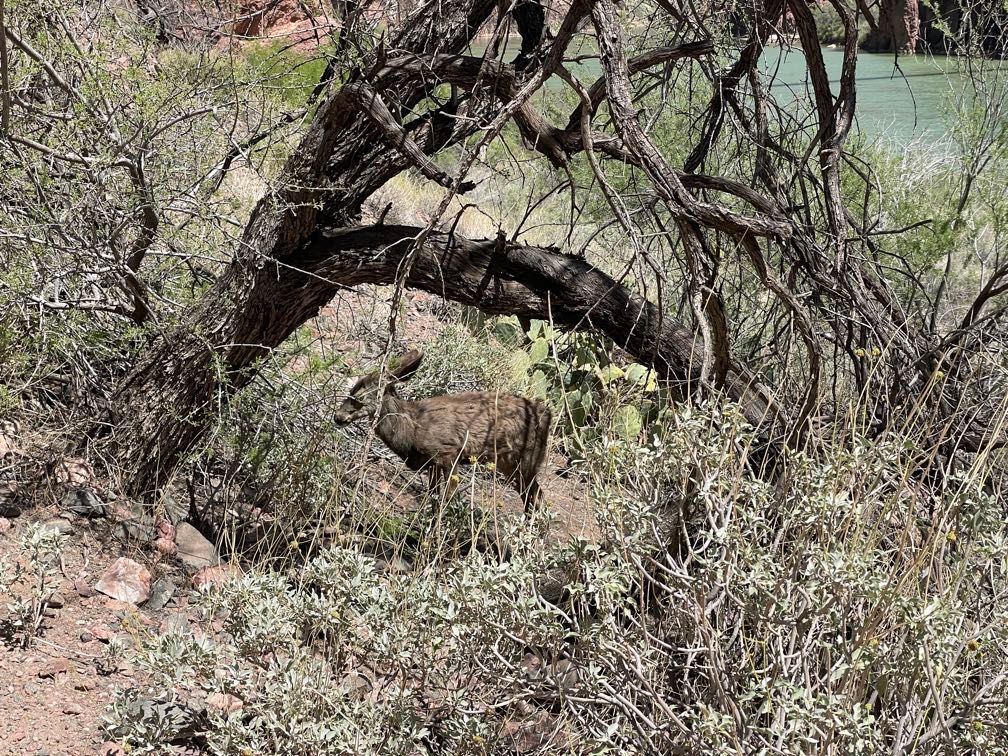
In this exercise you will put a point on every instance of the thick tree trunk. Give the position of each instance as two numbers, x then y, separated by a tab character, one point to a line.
165	404
898	28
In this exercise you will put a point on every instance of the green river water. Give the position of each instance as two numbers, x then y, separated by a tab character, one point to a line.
894	104
900	104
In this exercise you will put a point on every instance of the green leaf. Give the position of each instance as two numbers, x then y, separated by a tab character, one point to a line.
537	386
509	332
637	373
539	351
627	422
520	364
585	357
609	373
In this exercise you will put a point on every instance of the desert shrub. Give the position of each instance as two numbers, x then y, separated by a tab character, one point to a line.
29	578
458	359
843	609
593	391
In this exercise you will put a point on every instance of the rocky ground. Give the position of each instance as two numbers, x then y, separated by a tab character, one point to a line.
56	681
120	576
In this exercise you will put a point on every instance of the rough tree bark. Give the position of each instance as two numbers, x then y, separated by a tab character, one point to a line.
164	405
532	282
898	29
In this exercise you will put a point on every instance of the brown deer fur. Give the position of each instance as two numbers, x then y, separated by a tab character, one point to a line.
439	433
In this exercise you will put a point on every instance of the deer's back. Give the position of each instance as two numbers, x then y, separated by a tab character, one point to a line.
482	424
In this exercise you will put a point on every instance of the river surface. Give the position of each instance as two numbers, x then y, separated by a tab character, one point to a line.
901	103
895	103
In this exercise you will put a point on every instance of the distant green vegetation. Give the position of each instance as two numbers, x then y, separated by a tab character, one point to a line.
288	73
831	28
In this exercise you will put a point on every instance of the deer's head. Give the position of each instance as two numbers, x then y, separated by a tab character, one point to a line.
363	397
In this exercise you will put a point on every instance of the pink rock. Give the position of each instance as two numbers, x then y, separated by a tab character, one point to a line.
74	472
56	667
102	633
5	524
121	608
85	684
214	574
165	529
83	589
126	580
165	546
7	446
122	513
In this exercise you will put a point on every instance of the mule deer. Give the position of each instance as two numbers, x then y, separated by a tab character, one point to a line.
439	433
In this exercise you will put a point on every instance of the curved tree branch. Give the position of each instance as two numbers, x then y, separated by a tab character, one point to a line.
533	282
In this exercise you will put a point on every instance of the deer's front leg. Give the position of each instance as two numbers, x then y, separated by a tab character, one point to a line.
449	473
435	477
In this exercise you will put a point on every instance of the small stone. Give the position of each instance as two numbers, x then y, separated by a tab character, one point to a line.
85	684
8	446
56	601
102	633
121	608
214	575
193	549
165	529
176	508
72	709
86	636
133	522
54	668
60	526
31	688
84	590
165	546
161	593
84	503
357	684
74	472
125	580
5	524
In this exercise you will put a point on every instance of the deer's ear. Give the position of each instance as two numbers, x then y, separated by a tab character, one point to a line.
352	384
408	365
